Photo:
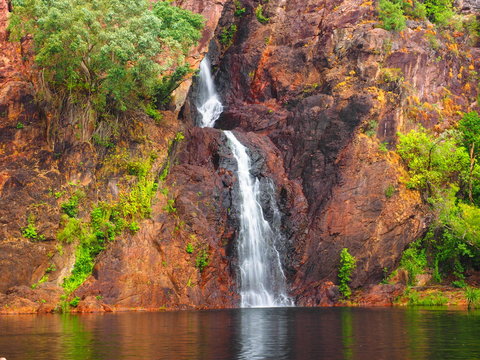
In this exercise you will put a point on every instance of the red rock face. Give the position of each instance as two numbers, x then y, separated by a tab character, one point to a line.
327	87
312	93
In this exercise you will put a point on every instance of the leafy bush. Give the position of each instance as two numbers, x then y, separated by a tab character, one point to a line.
202	260
107	221
414	261
391	15
70	207
430	299
439	11
189	248
389	191
347	265
74	302
260	16
473	297
30	231
227	34
104	52
239	8
443	168
433	163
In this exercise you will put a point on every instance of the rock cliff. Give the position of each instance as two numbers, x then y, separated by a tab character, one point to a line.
315	90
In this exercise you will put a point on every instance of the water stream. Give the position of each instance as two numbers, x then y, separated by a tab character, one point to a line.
208	103
262	280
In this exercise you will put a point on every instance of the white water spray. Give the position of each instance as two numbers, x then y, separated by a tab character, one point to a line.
261	275
209	105
262	281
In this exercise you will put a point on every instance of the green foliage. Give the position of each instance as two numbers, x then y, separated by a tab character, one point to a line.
74	302
389	191
443	169
51	268
414	261
430	299
260	16
41	281
70	207
30	231
391	15
108	220
189	248
383	147
105	52
19	125
170	207
432	162
102	141
227	34
469	127
439	11
133	227
72	230
163	89
202	260
153	113
371	128
239	8
473	297
347	265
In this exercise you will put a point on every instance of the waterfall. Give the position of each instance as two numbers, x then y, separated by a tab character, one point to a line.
208	104
262	280
261	275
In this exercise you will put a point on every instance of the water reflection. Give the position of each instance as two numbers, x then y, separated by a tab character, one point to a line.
276	333
264	333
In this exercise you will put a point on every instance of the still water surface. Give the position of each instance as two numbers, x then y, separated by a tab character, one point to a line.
278	333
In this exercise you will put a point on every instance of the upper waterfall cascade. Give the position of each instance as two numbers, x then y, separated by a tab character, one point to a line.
262	280
208	103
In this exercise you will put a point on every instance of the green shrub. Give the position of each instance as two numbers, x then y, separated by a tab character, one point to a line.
391	15
170	207
19	125
202	260
70	207
30	231
239	8
371	128
73	230
227	34
134	227
260	16
429	299
383	147
439	11
74	302
347	265
389	191
414	261
473	297
104	52
189	248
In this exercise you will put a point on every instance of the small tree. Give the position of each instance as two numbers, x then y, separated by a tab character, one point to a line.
347	264
105	54
391	15
469	127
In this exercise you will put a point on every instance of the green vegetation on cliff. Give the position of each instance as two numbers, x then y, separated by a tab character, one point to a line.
345	268
107	54
444	168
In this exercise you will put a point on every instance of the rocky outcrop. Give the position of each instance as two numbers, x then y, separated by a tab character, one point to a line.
331	90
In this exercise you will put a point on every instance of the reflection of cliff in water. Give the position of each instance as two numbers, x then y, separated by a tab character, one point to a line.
274	333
